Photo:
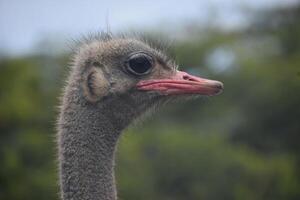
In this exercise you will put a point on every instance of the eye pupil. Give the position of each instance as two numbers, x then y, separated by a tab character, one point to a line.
139	64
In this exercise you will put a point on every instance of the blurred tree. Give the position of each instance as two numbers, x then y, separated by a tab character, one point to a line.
185	165
27	156
276	80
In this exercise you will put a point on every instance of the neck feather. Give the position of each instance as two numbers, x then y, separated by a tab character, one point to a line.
87	140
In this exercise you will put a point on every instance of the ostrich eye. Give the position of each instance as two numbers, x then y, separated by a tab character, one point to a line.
139	64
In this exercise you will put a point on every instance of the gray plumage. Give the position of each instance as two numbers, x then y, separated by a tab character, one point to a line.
99	101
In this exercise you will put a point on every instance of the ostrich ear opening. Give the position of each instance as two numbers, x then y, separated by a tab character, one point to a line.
95	85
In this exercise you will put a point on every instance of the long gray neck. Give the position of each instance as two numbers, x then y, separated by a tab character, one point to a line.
87	140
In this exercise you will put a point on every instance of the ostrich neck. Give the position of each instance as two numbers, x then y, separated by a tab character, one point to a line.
87	140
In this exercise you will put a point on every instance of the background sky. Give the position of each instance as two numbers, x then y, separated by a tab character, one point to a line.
23	24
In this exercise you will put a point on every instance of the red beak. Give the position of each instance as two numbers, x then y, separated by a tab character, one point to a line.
182	83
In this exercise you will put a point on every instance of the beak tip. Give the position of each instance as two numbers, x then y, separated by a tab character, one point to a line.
220	87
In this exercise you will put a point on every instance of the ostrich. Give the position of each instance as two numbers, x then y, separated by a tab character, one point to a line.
112	82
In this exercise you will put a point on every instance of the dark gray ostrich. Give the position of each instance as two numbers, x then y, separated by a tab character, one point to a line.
112	82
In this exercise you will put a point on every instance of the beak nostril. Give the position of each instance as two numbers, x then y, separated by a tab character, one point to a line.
185	77
188	78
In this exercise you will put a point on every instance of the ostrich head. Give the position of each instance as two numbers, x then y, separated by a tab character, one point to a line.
112	82
130	77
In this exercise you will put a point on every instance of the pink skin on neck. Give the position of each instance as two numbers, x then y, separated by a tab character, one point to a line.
182	83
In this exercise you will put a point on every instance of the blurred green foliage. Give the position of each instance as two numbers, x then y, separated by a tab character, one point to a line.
242	144
188	165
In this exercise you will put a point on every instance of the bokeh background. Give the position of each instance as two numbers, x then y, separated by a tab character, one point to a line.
241	145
